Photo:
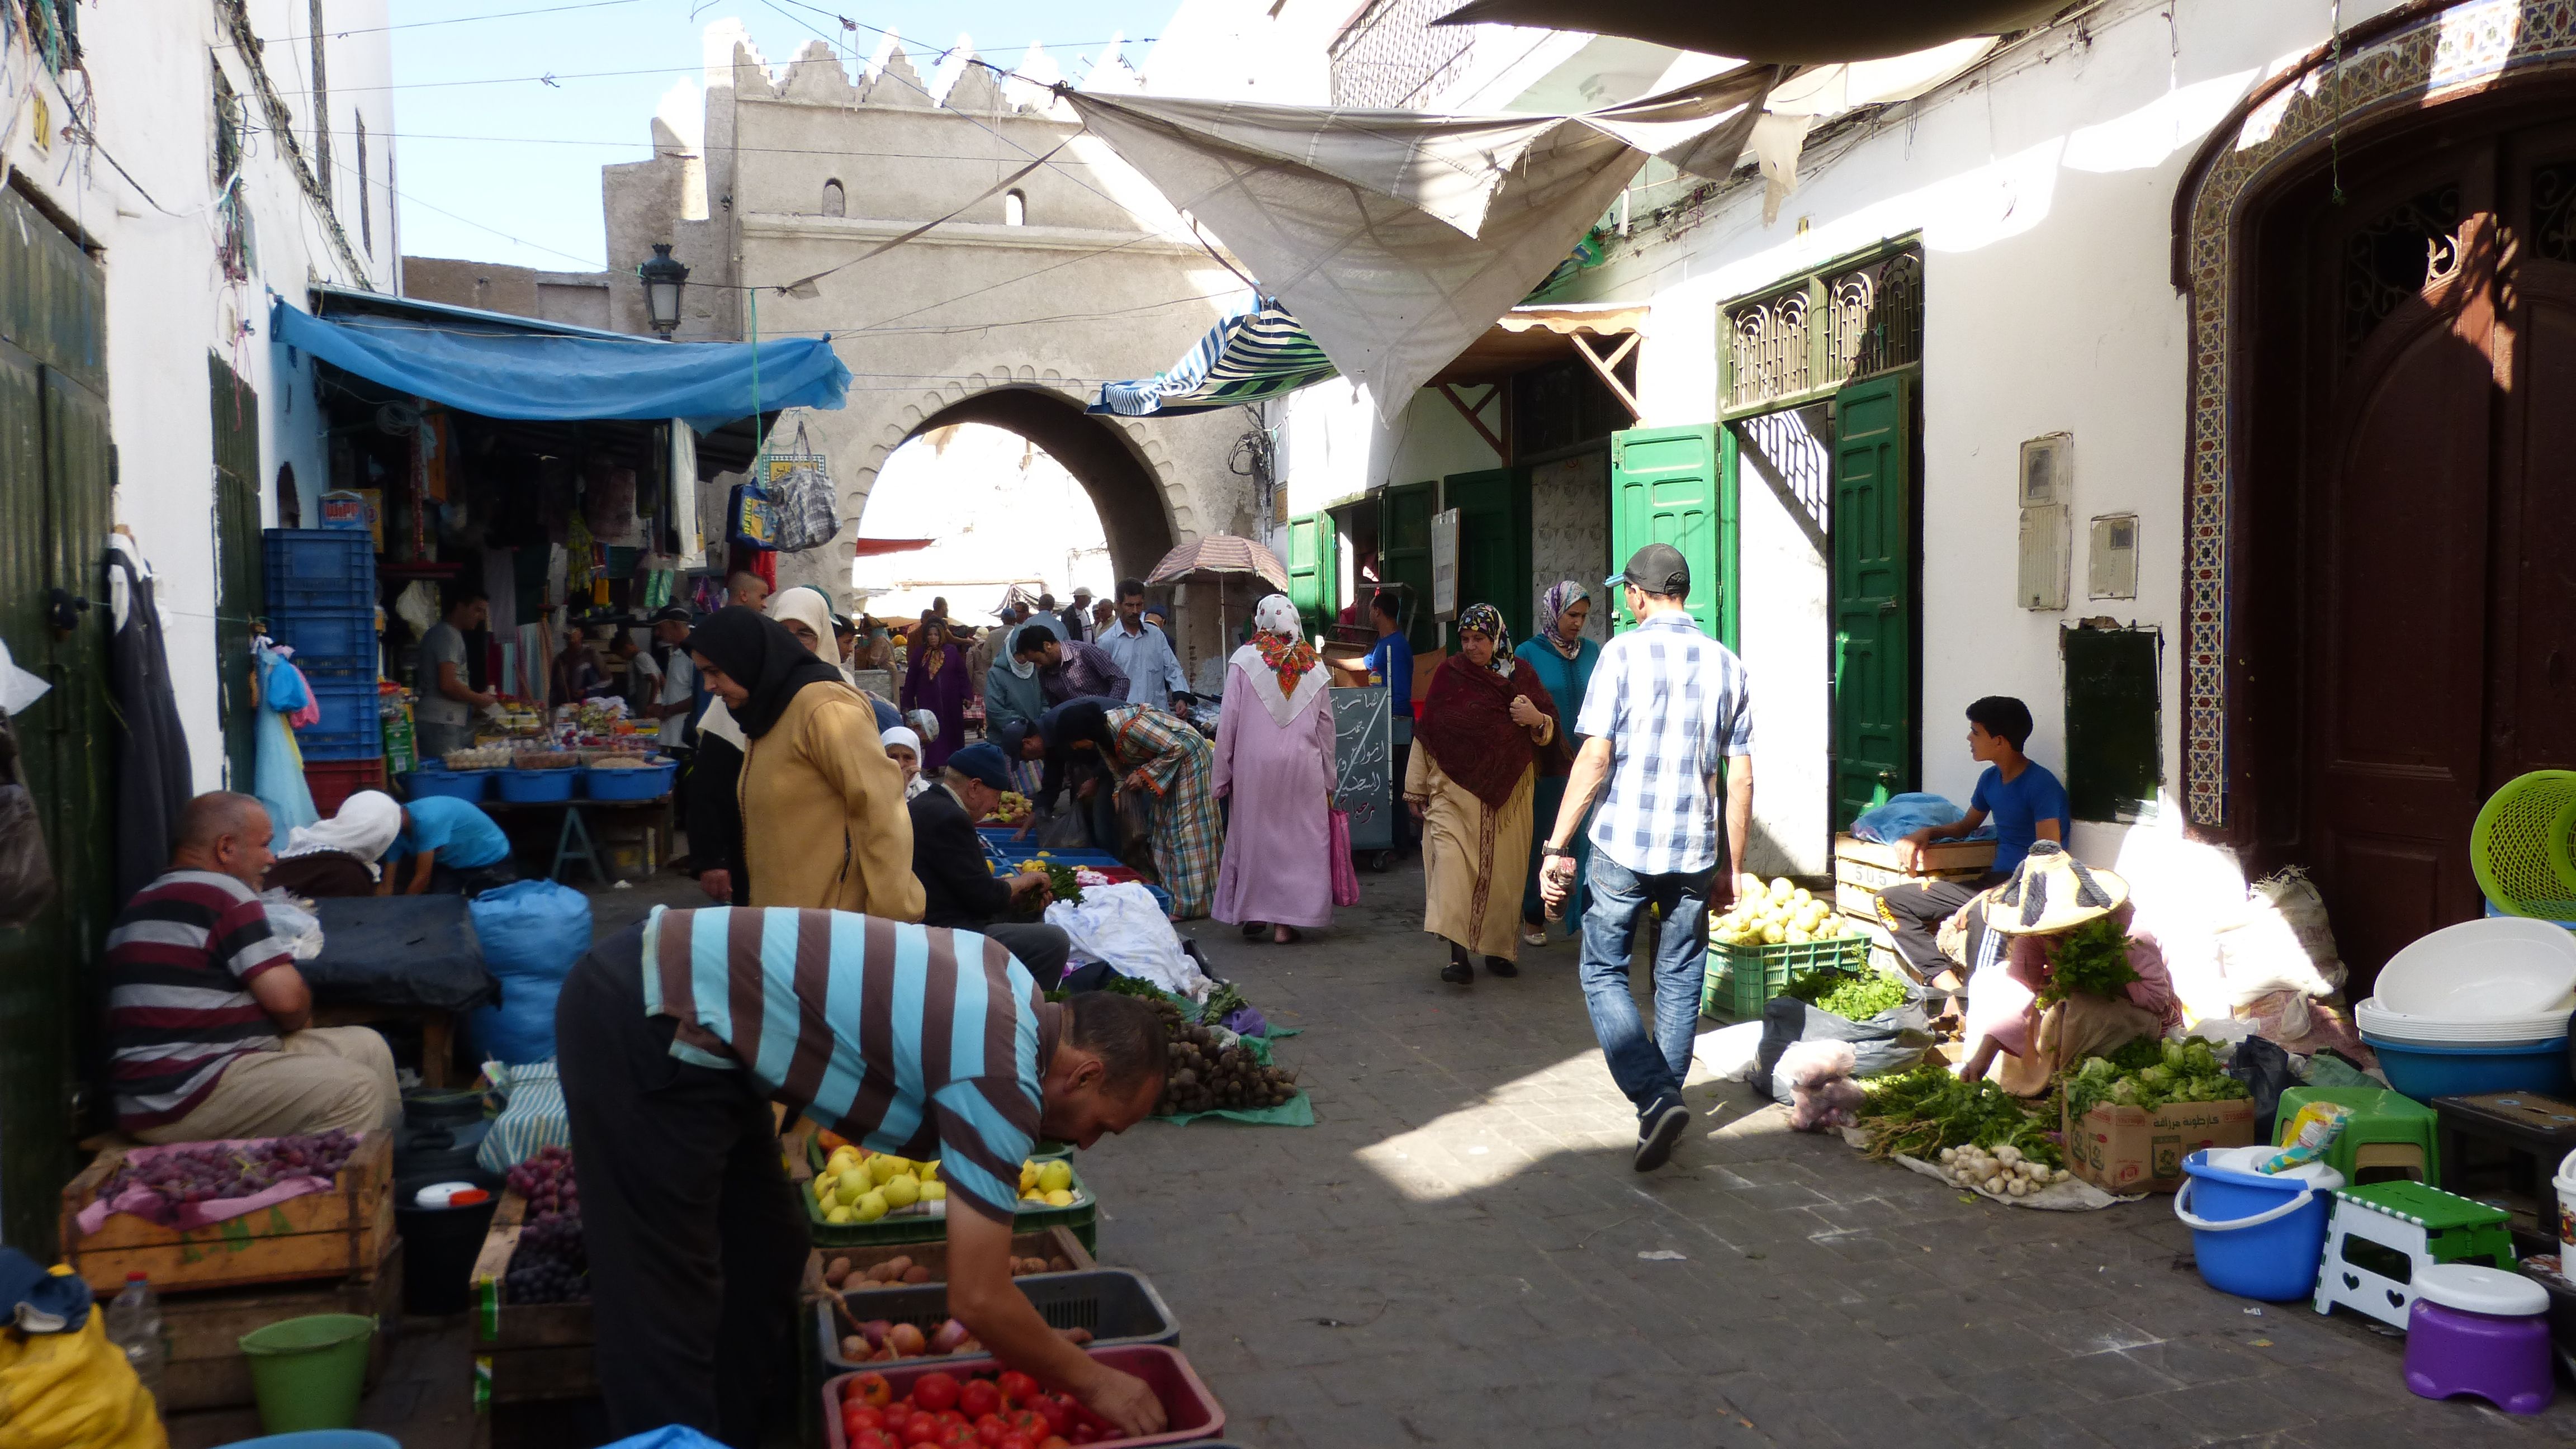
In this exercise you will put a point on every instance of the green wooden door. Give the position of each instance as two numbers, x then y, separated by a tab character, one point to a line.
55	480
1677	486
1404	554
1310	543
1493	542
238	573
1875	741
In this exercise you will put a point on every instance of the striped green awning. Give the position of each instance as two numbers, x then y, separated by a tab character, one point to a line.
1255	355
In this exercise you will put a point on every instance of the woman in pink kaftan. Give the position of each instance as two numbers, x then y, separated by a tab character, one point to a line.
1274	760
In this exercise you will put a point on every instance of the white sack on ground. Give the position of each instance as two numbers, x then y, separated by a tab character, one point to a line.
1125	926
1397	237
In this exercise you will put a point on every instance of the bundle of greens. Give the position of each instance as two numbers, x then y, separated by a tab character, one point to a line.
1851	996
1133	986
2093	959
2148	1073
1925	1110
1060	879
1223	1002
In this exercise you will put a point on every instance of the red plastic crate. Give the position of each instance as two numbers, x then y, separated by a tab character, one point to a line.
1190	1412
334	781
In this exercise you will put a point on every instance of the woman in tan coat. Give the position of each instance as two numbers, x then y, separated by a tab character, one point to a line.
823	819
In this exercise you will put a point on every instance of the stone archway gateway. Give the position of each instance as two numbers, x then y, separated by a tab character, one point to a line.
1122	466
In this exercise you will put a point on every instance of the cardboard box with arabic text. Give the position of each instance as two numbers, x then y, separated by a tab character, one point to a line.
2131	1149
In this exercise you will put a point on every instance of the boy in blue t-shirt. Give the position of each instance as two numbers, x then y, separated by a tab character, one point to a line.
455	848
2027	803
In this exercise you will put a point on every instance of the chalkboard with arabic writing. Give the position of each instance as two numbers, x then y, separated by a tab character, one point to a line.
1363	759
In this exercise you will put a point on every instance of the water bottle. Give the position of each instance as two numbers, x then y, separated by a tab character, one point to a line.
134	1325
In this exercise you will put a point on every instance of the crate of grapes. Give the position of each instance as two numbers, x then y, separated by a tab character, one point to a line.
169	1212
532	1324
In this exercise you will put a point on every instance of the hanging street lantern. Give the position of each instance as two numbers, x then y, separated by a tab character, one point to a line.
663	277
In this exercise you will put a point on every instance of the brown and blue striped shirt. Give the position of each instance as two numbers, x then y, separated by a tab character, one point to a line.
909	1039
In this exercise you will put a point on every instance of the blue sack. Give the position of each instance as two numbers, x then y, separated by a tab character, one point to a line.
531	931
1902	815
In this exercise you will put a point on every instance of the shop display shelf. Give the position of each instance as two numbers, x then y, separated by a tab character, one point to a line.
1116	1305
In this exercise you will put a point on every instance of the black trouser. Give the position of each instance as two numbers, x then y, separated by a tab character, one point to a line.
1913	912
473	880
1040	947
696	1243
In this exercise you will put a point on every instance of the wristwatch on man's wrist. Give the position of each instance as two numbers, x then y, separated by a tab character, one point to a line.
1552	850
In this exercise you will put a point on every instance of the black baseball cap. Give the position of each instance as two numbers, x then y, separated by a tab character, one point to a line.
1658	568
672	615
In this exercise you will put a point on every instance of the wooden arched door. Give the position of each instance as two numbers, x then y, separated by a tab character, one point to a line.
2436	528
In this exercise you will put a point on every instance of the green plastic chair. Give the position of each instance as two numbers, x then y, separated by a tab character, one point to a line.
2389	1136
2523	847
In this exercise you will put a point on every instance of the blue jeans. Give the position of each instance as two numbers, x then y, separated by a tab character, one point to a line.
1648	1070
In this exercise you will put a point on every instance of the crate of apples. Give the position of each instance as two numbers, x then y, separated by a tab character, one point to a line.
1005	1410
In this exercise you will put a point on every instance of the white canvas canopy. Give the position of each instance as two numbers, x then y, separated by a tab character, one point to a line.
1396	237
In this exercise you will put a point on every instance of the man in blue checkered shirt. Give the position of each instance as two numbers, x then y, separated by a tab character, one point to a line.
1667	717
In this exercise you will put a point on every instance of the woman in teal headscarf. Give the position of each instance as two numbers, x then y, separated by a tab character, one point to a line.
1563	660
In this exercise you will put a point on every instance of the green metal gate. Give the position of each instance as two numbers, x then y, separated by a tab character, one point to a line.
1493	542
1677	486
56	473
1876	746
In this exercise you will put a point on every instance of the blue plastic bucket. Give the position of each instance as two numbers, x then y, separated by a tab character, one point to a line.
2256	1235
2426	1072
644	782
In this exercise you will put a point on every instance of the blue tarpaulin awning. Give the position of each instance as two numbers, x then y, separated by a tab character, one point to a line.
1257	354
558	375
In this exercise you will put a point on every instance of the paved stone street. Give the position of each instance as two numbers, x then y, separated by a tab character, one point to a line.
1454	1256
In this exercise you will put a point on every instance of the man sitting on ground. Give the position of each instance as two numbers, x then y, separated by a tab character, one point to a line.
209	1024
957	889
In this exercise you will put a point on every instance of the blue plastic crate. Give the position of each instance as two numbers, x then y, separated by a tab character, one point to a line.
336	639
365	744
348	706
324	568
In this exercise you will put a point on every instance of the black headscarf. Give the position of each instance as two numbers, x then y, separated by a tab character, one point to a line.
759	653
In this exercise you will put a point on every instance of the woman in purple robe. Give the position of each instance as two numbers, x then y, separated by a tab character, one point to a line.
934	679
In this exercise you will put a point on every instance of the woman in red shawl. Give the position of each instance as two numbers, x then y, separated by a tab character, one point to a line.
1487	731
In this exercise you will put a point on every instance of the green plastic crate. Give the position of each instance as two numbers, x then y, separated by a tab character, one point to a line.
1082	1215
1741	978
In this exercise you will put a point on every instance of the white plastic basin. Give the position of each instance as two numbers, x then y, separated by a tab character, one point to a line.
2374	1017
2483	970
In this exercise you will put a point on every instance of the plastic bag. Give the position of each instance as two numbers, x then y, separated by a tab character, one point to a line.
26	869
749	521
73	1391
288	921
1902	815
802	500
2267	1072
1346	877
532	931
1892	1041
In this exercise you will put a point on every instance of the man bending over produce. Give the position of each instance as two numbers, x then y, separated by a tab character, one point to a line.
209	1025
675	1036
2071	980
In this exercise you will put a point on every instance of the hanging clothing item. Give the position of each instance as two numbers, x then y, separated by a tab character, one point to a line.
153	779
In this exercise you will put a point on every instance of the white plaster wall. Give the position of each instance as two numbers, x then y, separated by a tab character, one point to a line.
2042	187
169	304
1784	634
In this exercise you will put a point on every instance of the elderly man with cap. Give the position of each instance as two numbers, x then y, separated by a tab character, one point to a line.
958	889
1667	725
1077	617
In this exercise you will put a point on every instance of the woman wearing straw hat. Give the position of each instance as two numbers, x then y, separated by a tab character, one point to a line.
2027	921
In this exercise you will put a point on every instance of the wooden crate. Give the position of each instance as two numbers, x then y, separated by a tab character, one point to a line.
527	1351
207	1369
344	1233
1049	1243
1862	868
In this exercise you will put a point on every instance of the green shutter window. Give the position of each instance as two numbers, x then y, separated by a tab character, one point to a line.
1494	542
1404	555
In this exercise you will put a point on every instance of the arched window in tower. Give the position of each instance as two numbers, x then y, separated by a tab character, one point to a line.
836	202
1015	208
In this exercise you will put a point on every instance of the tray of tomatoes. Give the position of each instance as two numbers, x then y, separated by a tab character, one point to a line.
978	1404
